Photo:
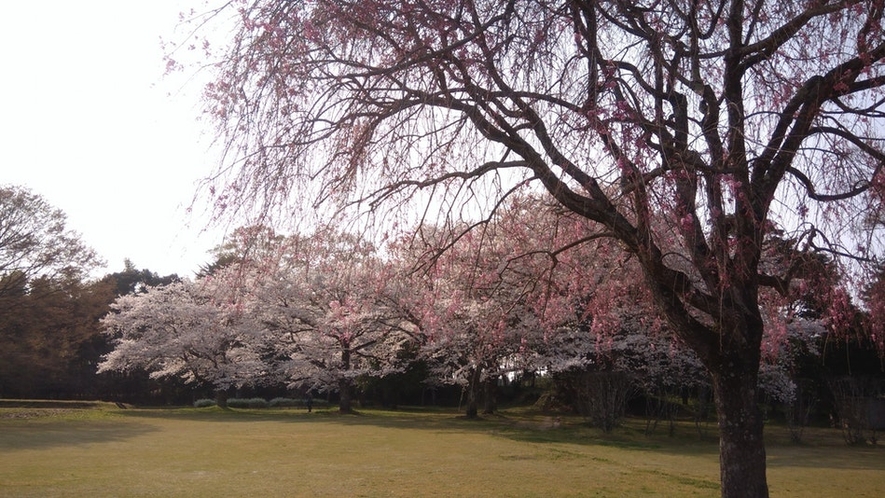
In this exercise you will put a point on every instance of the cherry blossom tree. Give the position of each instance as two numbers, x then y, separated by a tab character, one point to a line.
320	299
689	131
511	295
193	330
470	319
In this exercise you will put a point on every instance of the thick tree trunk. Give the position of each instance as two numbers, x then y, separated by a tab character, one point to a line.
731	352
345	395
472	409
345	386
491	396
472	388
221	397
741	445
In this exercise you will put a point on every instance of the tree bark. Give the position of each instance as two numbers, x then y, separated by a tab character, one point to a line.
741	445
472	387
731	351
491	395
221	396
345	395
345	386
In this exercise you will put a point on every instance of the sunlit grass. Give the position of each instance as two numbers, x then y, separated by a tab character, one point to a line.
107	451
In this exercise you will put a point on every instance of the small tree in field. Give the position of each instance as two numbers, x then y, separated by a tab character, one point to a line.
689	131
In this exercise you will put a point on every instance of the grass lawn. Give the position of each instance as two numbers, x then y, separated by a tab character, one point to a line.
101	450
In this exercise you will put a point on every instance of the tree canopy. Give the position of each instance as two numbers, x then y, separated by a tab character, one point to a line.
35	242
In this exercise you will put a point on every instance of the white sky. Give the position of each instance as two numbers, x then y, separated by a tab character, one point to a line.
88	122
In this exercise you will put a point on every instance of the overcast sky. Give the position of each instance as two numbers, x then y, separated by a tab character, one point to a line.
88	122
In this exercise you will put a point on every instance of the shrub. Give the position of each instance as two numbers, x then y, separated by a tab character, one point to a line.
203	403
286	402
247	403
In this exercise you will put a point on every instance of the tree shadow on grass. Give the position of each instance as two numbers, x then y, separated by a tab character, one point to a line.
47	434
825	451
539	428
828	457
519	425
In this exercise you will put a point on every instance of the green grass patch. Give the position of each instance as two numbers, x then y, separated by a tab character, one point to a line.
102	450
